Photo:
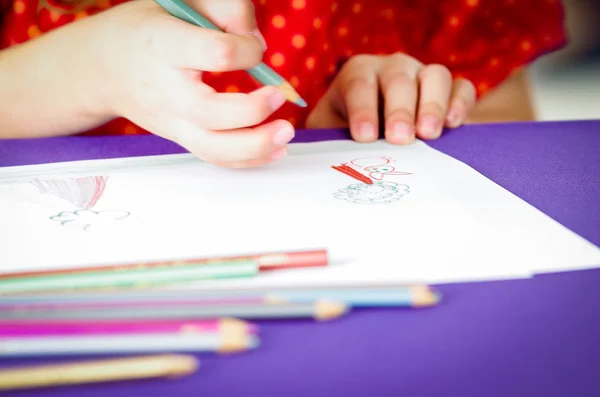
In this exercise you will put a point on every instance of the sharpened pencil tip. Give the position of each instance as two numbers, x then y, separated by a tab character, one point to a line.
301	102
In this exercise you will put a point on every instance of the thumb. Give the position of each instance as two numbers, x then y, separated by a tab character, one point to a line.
232	16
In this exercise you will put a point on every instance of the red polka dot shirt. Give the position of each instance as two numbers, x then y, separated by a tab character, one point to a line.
309	40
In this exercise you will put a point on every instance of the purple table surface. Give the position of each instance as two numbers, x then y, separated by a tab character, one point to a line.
507	338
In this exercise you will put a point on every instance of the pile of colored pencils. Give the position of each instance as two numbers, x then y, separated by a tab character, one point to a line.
117	309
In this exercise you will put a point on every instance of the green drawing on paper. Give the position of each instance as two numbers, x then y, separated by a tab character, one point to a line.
87	219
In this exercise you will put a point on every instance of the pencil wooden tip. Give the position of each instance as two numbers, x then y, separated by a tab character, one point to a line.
179	365
329	310
423	296
291	94
234	325
234	343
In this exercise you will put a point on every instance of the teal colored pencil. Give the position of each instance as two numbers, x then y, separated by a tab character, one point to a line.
262	72
130	278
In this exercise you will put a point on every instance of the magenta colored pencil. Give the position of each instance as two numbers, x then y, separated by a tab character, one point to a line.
72	305
39	328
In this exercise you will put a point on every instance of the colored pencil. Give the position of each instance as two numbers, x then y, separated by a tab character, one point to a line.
262	72
409	296
320	310
108	370
33	328
126	344
130	277
266	261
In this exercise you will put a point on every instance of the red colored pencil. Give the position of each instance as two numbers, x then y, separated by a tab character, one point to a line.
268	261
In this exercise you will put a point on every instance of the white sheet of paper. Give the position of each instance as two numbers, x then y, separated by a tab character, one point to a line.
445	221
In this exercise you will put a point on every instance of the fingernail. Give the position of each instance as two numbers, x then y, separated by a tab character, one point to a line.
277	100
402	132
366	131
430	126
283	136
256	33
279	153
454	116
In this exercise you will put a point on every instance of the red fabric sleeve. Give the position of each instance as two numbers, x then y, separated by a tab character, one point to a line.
4	6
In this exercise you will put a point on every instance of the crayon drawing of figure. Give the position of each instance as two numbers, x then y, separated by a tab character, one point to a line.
376	168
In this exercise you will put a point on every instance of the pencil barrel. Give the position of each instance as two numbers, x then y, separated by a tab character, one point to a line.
250	311
168	365
53	328
125	344
129	278
397	296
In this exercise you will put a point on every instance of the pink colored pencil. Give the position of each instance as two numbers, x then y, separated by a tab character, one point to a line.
39	328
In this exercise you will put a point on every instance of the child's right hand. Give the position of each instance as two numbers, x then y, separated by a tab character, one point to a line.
149	71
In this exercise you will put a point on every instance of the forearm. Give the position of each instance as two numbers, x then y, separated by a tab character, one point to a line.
49	86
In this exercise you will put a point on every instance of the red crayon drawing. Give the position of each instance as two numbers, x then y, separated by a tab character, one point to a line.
353	173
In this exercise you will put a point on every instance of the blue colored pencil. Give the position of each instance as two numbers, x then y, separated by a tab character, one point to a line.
388	296
262	72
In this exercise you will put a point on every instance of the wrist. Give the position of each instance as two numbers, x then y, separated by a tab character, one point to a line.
50	87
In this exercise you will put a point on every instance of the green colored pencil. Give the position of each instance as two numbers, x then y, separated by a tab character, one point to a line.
130	278
262	72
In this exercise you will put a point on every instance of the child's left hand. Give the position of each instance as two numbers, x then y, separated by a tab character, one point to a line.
418	100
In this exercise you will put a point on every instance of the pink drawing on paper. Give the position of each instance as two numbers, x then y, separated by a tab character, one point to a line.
83	193
377	167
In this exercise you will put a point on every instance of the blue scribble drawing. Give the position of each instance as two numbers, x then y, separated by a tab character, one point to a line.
376	193
89	219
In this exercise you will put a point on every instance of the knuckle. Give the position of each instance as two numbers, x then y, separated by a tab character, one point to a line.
225	52
433	107
400	77
359	61
242	8
436	69
401	115
468	87
399	57
358	84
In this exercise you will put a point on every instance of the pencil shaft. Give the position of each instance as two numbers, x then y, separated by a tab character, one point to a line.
163	294
301	310
140	343
107	370
129	278
398	298
32	328
359	297
266	261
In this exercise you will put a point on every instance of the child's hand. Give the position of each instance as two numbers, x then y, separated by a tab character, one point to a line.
417	99
150	71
